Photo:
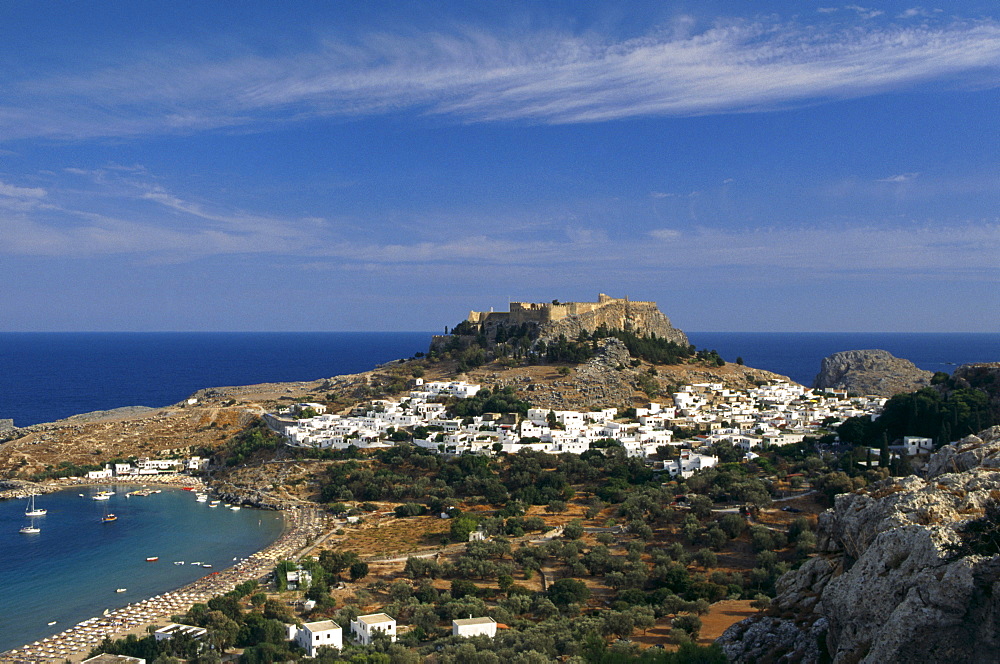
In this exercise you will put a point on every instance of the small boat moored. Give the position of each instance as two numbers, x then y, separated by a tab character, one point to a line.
31	510
152	559
120	590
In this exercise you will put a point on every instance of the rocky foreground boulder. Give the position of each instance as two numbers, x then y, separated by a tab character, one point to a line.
876	372
884	587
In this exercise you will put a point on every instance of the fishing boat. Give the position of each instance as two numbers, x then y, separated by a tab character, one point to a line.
205	565
52	623
234	508
108	518
31	510
120	590
152	559
214	503
104	495
178	562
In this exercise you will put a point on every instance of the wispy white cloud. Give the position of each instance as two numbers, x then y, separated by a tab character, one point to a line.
20	192
865	12
918	12
150	223
474	75
901	178
664	234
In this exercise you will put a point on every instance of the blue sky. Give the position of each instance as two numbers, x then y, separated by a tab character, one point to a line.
751	166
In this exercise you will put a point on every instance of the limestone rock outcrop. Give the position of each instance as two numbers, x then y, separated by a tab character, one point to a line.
870	372
551	319
884	588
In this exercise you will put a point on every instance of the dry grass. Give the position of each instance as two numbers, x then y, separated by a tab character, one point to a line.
391	536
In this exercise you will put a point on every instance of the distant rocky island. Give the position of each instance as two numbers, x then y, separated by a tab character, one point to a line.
875	372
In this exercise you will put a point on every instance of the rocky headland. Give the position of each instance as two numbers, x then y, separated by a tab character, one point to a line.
885	587
875	372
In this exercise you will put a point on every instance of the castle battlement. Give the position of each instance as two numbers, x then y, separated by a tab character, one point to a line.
570	317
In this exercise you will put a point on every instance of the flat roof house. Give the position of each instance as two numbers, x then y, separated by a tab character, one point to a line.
173	629
474	627
107	658
364	627
314	635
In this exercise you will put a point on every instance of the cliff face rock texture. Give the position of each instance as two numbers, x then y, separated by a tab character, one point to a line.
570	318
883	588
870	372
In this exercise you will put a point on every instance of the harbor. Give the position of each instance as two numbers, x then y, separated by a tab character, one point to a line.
78	566
73	644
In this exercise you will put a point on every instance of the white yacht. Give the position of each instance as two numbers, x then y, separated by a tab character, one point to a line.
31	510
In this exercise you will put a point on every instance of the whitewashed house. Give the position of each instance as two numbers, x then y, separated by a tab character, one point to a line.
688	463
298	579
365	627
913	445
173	629
474	627
314	635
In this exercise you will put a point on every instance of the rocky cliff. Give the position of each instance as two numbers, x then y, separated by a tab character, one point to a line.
884	588
548	320
643	318
870	372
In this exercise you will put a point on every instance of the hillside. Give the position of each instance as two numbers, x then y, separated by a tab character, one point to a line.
889	584
611	378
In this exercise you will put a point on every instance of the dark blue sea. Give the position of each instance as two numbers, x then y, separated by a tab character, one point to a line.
49	376
71	569
68	574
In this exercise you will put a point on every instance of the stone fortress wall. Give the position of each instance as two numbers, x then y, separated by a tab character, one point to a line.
570	318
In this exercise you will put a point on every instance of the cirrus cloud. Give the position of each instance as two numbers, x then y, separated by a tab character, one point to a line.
478	75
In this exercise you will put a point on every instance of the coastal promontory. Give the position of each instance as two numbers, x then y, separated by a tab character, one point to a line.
875	372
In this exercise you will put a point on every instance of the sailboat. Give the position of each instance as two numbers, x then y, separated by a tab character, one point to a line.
31	510
31	529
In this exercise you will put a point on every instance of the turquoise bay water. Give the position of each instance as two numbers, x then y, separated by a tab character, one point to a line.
70	570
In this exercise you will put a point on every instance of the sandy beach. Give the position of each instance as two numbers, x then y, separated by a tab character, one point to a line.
302	526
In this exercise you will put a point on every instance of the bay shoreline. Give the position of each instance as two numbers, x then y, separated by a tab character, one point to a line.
301	526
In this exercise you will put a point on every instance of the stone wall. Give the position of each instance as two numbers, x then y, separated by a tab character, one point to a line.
643	318
570	318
